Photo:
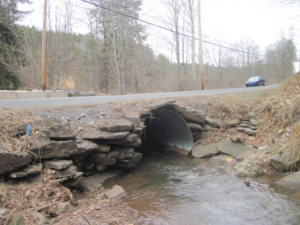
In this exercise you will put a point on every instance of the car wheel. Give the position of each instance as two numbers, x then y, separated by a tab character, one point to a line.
258	84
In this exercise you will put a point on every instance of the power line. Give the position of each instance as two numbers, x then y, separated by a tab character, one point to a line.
164	28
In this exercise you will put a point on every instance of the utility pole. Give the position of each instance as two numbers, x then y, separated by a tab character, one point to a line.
282	67
200	45
44	47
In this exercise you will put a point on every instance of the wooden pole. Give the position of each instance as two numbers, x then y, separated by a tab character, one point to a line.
44	47
200	45
282	67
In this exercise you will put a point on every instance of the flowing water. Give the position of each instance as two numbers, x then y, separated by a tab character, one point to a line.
179	190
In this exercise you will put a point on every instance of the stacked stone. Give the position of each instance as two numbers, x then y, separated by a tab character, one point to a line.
248	126
69	158
64	172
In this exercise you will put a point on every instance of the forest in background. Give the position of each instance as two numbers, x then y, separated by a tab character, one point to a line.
114	57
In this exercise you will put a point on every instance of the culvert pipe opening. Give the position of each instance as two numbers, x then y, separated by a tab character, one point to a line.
168	128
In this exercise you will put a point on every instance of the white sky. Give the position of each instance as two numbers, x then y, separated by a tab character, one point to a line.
230	21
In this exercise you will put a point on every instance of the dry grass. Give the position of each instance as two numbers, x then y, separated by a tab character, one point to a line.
10	118
29	198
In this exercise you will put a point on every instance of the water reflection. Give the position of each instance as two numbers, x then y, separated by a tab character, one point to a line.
179	190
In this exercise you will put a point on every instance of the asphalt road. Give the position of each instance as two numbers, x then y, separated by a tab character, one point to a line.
111	98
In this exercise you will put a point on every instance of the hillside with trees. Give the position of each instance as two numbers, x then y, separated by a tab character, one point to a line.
114	57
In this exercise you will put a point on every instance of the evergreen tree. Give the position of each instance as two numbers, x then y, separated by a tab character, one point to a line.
10	56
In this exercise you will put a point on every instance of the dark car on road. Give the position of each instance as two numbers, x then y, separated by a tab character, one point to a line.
255	81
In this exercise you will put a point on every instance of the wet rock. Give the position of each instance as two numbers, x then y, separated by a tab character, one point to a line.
203	151
17	219
13	161
47	149
116	192
117	127
252	114
131	163
234	123
59	132
223	158
96	180
247	169
19	130
100	167
195	127
135	119
131	183
237	150
291	182
285	160
213	122
98	158
65	207
104	135
58	164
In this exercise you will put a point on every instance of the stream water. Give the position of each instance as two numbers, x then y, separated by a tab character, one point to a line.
179	190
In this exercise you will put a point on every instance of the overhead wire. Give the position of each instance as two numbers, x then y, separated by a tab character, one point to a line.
167	29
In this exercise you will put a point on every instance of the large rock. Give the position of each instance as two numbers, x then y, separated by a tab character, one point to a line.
291	181
116	192
13	161
47	149
285	161
28	170
117	127
237	150
104	135
131	163
135	119
203	151
57	164
213	122
70	172
190	116
247	169
60	132
96	180
87	147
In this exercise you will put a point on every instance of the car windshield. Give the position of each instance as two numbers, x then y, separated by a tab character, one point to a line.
253	78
